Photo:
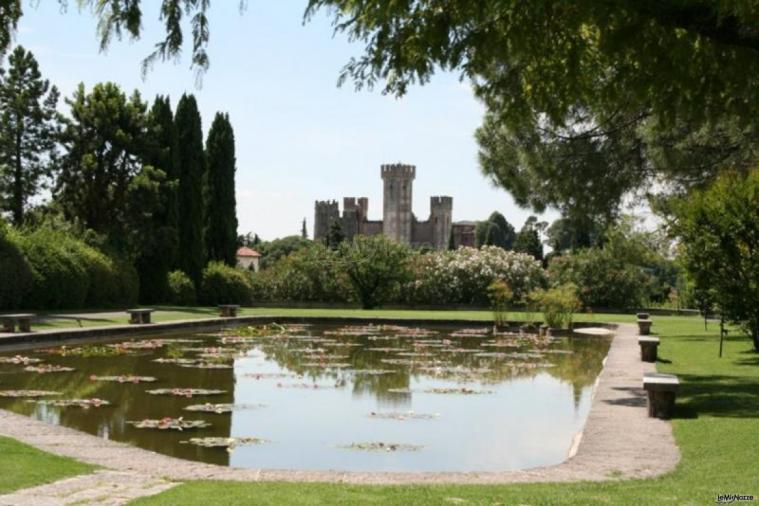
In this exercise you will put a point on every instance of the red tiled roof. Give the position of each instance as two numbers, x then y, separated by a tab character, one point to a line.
247	252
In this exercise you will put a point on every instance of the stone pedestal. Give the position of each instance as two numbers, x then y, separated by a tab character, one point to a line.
648	348
661	390
644	327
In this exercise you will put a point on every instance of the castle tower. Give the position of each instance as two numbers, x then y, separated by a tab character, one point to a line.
325	213
441	211
397	197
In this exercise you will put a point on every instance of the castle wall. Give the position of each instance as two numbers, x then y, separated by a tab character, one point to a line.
422	234
371	227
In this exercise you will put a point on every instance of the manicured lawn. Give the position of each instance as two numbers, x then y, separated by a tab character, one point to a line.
716	427
22	466
170	313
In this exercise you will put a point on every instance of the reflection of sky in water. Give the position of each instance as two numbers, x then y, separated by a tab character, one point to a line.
529	420
526	422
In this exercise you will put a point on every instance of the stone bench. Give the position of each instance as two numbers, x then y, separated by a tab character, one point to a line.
648	348
644	327
10	321
661	390
140	316
228	310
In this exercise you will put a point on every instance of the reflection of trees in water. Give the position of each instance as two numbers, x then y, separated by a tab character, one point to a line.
580	368
128	400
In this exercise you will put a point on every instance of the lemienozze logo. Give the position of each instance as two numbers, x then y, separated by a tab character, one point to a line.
731	498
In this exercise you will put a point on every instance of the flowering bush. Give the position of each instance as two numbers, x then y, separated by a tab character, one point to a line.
464	275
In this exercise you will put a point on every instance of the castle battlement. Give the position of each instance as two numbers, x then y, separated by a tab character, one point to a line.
441	203
399	170
325	203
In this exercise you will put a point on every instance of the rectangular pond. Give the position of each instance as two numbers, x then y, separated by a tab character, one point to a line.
318	397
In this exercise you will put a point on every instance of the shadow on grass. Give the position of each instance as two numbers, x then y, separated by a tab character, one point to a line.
718	396
748	357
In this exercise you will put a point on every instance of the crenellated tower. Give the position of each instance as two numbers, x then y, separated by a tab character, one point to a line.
325	213
397	214
441	213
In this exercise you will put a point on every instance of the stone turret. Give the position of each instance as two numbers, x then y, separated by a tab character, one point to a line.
441	211
397	198
325	213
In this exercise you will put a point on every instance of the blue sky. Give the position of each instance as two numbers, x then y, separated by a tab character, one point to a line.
299	137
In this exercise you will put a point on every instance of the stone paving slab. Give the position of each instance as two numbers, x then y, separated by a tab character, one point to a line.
101	488
619	441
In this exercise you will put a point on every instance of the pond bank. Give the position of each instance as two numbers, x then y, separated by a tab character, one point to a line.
58	335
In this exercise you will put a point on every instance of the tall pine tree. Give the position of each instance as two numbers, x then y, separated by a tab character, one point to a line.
104	140
190	158
28	127
221	213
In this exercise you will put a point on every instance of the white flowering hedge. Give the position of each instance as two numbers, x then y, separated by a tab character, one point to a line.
463	276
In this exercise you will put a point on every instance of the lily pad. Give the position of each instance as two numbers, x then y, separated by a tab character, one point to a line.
20	360
206	365
47	368
221	408
461	390
74	403
408	415
224	442
383	447
169	423
185	392
127	378
27	393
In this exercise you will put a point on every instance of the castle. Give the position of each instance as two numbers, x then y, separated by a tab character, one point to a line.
398	221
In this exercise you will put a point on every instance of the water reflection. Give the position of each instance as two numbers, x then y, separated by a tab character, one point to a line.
319	385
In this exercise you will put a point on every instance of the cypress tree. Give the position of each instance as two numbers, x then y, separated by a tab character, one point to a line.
158	256
190	158
221	213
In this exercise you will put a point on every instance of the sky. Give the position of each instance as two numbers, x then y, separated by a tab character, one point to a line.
299	137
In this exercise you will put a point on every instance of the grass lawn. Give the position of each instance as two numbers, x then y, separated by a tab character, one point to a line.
23	466
171	313
716	427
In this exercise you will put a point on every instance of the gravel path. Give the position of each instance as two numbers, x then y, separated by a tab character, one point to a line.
102	488
619	441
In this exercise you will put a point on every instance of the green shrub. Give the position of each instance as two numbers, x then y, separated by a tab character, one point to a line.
181	289
557	304
223	284
312	273
604	280
500	296
67	273
17	275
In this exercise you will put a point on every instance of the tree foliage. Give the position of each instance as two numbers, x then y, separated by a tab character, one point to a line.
495	231
163	152
221	213
29	126
191	177
376	267
528	239
104	141
719	229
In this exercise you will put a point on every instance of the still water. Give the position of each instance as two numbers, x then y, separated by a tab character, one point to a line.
322	396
